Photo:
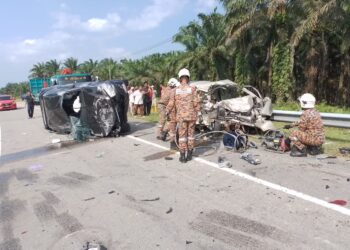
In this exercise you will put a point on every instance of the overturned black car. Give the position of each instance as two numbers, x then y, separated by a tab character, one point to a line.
99	108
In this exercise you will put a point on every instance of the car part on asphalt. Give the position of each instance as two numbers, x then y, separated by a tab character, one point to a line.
223	162
236	140
100	107
249	158
274	140
344	150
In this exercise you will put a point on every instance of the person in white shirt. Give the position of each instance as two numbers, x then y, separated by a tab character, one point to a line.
138	102
131	100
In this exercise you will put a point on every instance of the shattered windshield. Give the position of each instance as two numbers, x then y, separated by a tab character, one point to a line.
73	79
220	93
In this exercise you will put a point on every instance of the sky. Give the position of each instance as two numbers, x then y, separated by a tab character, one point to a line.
35	31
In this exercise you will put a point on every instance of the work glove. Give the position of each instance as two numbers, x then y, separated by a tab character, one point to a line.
287	126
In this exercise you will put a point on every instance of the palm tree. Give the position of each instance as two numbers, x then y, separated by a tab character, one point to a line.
107	69
89	67
52	67
204	41
71	63
38	70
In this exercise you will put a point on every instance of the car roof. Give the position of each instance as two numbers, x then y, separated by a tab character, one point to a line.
206	85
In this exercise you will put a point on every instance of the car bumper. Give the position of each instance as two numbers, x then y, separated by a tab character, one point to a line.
11	107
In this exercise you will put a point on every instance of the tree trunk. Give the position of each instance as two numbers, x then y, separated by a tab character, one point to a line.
323	76
311	69
269	79
344	78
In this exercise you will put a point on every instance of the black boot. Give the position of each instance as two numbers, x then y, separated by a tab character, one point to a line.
173	145
164	135
161	136
189	155
314	150
295	152
182	158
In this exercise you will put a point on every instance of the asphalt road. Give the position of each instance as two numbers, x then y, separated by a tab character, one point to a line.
132	193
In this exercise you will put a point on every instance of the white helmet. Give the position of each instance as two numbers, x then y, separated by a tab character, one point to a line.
307	101
172	82
184	72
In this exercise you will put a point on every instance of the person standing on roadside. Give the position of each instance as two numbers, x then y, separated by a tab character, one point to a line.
146	98
185	100
30	104
131	100
138	101
162	104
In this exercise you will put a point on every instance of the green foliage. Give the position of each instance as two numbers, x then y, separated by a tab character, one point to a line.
284	48
241	69
15	89
281	78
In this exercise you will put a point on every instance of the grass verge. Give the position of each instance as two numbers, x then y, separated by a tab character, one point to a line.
322	107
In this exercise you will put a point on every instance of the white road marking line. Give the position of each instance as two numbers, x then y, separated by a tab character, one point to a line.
271	185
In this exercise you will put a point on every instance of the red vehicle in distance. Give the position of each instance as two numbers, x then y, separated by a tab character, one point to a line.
7	102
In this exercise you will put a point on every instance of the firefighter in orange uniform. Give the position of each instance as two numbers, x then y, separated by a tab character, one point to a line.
185	100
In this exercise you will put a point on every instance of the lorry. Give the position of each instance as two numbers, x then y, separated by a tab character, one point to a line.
37	84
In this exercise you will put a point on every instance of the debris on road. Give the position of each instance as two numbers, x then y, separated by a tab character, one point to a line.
249	158
135	144
111	192
155	199
339	202
54	141
325	156
344	151
170	210
36	167
169	158
100	155
223	162
327	187
188	242
89	199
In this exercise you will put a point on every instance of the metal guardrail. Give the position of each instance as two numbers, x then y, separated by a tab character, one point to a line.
329	119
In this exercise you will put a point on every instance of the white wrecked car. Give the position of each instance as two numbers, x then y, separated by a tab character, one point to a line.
222	105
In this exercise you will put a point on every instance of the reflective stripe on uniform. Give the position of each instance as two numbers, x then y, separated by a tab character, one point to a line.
183	91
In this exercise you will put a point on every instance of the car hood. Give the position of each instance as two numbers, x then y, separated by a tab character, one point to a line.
206	86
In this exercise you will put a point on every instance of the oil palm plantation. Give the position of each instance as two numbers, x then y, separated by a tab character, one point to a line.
38	70
89	67
52	67
71	63
204	41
